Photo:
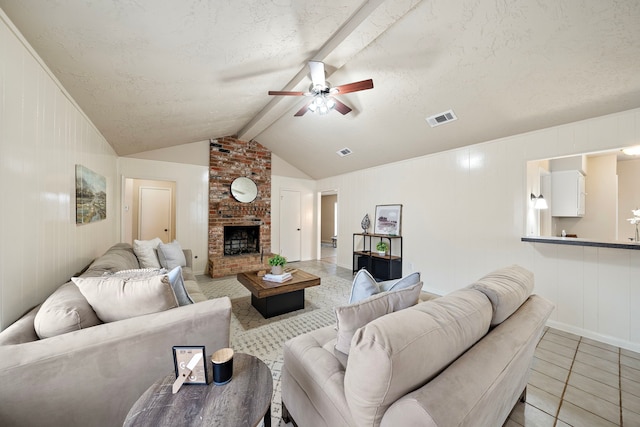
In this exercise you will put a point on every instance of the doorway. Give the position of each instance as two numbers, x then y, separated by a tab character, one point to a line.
290	225
149	210
329	227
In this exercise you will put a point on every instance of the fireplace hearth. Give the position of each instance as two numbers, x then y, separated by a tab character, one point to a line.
241	239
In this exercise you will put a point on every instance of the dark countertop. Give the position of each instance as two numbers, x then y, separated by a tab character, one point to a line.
581	242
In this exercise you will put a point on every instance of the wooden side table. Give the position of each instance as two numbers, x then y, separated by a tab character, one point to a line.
244	401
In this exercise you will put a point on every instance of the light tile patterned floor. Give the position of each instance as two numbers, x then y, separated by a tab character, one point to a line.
577	381
574	381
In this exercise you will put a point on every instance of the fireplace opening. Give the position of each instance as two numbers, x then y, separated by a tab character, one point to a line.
241	239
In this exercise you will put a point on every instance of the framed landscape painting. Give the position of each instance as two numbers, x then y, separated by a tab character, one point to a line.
91	196
388	220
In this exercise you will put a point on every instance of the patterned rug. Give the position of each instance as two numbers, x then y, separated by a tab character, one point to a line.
264	338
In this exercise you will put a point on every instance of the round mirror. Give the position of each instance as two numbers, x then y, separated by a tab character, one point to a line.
244	189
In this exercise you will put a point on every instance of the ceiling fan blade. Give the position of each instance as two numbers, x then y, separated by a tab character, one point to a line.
354	87
303	109
285	93
341	107
317	73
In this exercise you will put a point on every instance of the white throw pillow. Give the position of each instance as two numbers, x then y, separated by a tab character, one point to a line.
118	298
145	250
350	318
171	255
364	285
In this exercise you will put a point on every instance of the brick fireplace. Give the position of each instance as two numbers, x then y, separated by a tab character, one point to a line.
242	230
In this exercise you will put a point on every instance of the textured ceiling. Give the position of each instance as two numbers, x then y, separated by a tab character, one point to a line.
152	74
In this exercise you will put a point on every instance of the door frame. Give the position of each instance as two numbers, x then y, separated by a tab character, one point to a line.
127	210
281	210
319	194
171	235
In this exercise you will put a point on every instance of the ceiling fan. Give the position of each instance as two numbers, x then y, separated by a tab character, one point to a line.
323	95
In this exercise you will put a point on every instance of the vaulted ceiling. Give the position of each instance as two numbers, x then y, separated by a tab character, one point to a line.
153	74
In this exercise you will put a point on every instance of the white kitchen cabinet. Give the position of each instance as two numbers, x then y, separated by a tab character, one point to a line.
567	193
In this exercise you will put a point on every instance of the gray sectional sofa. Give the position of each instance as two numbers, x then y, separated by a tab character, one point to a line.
458	360
89	373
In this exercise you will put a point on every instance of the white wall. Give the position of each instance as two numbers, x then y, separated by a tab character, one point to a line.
464	213
192	200
43	135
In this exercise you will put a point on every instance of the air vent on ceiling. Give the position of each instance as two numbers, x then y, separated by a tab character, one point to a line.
442	118
344	152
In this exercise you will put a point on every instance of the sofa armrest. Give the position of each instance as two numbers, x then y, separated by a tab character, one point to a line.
93	376
188	255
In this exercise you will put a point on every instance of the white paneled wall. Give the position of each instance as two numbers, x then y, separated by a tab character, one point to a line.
464	212
43	135
192	200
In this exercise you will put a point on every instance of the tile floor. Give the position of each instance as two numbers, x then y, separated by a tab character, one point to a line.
576	381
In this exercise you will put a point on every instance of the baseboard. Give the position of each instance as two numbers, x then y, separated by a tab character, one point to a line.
628	345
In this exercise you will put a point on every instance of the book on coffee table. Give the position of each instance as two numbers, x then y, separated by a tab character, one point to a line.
280	278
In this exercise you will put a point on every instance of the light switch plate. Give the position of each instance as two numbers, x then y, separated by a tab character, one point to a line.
182	355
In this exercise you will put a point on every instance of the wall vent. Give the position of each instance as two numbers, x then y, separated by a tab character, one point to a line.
344	152
441	118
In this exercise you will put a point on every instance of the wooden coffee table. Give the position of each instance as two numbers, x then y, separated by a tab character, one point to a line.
271	298
244	401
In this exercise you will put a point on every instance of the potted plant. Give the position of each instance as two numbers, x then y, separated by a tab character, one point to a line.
382	247
277	263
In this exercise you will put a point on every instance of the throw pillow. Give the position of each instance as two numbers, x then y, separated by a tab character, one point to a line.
177	284
137	273
118	298
363	286
404	282
66	310
171	255
352	317
145	250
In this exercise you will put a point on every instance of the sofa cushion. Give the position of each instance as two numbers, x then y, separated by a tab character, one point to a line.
171	255
118	257
363	286
22	330
65	310
145	250
351	317
117	298
402	351
506	288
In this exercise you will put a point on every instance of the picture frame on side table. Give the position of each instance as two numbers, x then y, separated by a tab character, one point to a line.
388	220
182	355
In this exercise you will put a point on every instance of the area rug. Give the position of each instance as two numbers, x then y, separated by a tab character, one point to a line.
264	338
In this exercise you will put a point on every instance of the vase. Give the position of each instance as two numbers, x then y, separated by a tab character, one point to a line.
276	269
365	223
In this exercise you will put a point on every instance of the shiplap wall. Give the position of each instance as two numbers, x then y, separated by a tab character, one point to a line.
465	210
43	135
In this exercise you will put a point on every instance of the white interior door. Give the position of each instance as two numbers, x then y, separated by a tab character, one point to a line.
290	234
154	213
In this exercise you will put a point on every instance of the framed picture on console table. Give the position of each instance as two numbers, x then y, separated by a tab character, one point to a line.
388	220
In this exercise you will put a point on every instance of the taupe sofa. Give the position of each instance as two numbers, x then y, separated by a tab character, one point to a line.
458	360
92	376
